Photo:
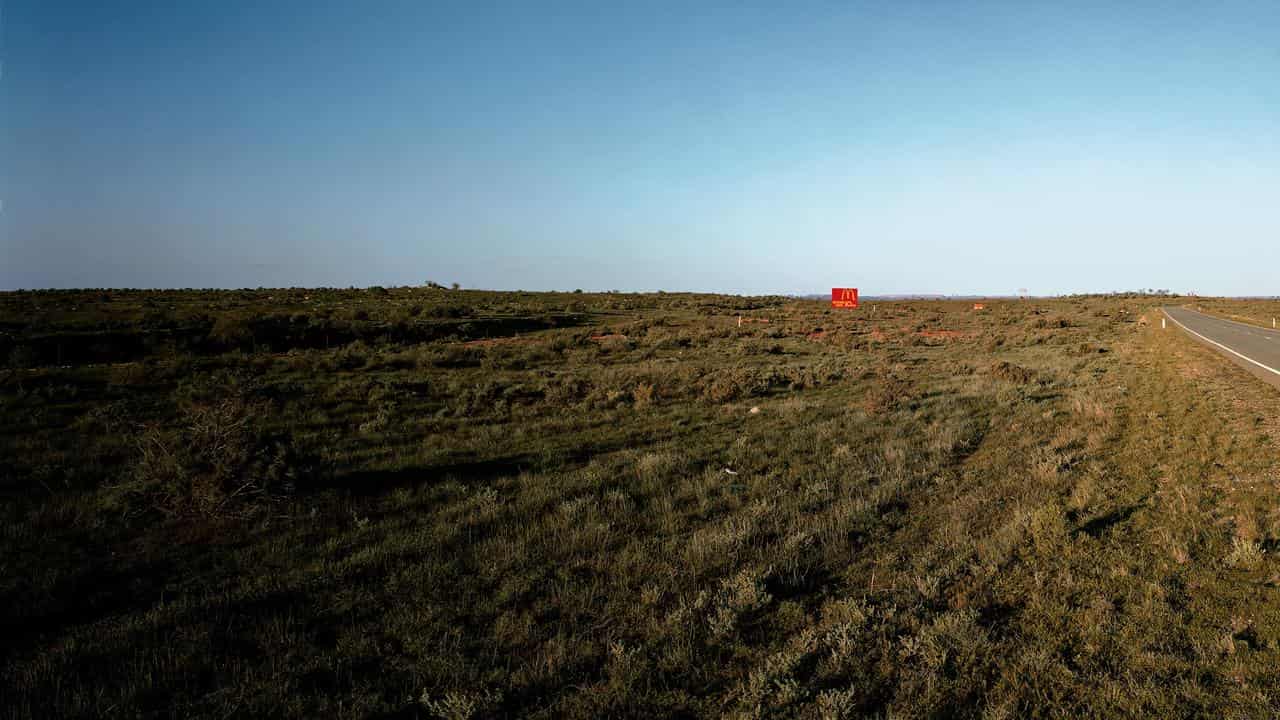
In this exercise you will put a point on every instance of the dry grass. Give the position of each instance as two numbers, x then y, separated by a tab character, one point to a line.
1043	509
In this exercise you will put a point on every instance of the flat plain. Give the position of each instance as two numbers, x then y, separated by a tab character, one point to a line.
418	502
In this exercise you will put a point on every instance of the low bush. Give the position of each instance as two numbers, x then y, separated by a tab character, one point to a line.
231	332
215	460
731	384
887	394
1009	372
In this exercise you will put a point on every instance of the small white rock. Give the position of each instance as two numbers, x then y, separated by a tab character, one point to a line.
754	411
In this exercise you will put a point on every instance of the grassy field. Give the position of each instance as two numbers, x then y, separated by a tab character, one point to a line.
1254	312
414	502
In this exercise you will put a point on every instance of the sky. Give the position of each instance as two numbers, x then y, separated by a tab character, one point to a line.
774	147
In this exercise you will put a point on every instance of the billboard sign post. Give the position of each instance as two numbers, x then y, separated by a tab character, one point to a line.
844	298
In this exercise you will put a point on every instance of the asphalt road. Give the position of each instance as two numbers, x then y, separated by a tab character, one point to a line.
1257	349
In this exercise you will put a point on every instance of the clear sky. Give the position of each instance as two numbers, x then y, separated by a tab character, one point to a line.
953	147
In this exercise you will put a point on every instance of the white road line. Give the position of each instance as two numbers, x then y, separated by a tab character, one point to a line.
1268	368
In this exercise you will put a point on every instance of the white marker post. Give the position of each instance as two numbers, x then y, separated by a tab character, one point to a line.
1162	325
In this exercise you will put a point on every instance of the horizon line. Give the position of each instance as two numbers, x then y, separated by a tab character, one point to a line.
798	295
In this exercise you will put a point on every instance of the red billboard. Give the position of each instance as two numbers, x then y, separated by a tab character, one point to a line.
844	297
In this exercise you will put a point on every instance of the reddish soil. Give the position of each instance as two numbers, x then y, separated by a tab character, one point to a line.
948	334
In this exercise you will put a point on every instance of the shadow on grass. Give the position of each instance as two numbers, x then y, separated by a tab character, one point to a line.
368	482
363	483
105	587
1097	526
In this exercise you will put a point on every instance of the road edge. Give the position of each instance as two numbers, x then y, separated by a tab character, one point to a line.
1254	366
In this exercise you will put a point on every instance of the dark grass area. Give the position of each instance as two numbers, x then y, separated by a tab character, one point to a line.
413	502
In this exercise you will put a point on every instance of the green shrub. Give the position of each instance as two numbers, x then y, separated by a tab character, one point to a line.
214	461
1009	372
231	331
732	384
23	356
447	311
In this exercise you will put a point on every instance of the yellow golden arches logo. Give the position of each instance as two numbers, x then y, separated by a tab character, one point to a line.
844	297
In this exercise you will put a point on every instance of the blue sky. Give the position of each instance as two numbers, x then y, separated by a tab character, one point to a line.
959	147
